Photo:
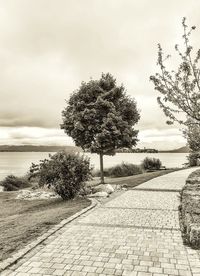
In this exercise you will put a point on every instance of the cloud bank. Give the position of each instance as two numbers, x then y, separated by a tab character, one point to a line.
48	47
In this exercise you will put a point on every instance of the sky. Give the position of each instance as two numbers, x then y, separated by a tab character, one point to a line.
48	47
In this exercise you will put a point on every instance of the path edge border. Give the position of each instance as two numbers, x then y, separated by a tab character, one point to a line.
22	252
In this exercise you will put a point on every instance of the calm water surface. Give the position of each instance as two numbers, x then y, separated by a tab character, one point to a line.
18	163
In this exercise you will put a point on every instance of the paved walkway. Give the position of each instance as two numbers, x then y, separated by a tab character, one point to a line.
135	234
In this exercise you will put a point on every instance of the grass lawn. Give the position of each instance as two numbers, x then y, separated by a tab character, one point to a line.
21	221
134	180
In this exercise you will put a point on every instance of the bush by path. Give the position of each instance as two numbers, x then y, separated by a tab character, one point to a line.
190	210
194	159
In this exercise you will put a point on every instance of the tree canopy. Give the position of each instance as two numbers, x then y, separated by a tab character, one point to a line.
180	89
192	134
100	116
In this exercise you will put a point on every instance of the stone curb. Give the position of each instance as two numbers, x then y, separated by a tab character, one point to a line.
17	256
156	190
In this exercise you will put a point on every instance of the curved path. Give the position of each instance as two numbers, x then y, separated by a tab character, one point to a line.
136	234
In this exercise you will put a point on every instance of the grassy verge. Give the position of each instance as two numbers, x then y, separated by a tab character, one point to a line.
21	221
134	180
189	211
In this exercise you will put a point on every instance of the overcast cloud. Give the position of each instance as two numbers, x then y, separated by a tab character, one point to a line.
47	47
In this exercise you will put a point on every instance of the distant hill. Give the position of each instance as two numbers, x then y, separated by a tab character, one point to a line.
179	150
32	148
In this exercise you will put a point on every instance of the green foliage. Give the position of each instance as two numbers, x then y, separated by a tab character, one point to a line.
192	134
124	169
14	183
151	163
189	210
180	88
64	172
100	116
194	159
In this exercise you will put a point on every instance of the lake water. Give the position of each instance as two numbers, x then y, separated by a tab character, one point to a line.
18	163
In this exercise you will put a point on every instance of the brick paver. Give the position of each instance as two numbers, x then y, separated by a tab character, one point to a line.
138	199
171	181
135	234
147	218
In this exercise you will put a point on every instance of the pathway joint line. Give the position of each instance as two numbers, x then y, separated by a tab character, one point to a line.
128	226
136	208
21	253
156	190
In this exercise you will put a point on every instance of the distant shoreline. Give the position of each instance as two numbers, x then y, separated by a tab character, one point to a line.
48	151
32	148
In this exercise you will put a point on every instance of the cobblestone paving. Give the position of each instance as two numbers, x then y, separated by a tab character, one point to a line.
147	200
171	181
134	217
126	236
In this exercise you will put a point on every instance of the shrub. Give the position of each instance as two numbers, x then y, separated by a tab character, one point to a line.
14	183
189	210
151	163
194	159
64	172
124	169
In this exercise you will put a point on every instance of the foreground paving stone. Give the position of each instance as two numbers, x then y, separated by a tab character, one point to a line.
134	234
109	248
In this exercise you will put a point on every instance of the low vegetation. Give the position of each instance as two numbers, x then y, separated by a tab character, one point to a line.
14	183
128	169
124	169
65	173
194	159
150	164
190	210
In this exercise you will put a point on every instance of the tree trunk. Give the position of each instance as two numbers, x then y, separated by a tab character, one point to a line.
101	168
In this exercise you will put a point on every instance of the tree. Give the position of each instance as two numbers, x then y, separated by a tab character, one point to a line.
100	117
180	89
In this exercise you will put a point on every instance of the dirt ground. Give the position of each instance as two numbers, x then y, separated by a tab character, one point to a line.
21	221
